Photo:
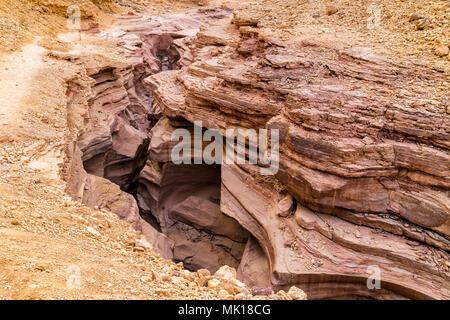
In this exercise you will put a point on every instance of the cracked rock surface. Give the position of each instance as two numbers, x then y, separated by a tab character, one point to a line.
362	183
363	150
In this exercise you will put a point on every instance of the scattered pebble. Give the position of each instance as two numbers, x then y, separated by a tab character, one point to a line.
213	283
296	294
422	24
414	17
441	51
331	10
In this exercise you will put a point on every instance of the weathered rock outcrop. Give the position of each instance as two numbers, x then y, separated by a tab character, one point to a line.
254	268
111	117
364	150
361	186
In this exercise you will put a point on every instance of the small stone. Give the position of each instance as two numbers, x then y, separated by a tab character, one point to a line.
288	243
414	17
226	273
422	24
283	295
204	272
146	279
186	274
441	51
368	140
175	274
178	281
143	243
239	284
93	231
331	10
139	249
162	292
213	283
261	291
296	294
166	278
240	296
317	263
202	281
223	294
41	267
229	287
285	206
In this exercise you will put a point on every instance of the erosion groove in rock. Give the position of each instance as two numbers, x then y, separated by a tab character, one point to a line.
363	177
113	121
363	149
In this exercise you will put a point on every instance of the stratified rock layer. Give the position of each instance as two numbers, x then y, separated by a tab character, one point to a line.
112	119
364	151
361	188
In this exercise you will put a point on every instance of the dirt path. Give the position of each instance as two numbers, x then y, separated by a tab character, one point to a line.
17	72
48	240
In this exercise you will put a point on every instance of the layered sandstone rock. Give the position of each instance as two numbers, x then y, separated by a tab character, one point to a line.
113	121
364	151
254	268
362	180
185	199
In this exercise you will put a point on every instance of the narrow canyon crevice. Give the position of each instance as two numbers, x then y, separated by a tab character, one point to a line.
179	204
362	179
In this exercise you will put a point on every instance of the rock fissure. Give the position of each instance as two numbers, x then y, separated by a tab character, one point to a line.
176	207
362	179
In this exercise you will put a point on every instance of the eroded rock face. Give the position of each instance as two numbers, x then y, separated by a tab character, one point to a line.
364	151
185	199
254	269
363	179
120	140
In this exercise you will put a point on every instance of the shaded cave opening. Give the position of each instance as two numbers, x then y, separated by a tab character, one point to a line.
183	202
180	201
